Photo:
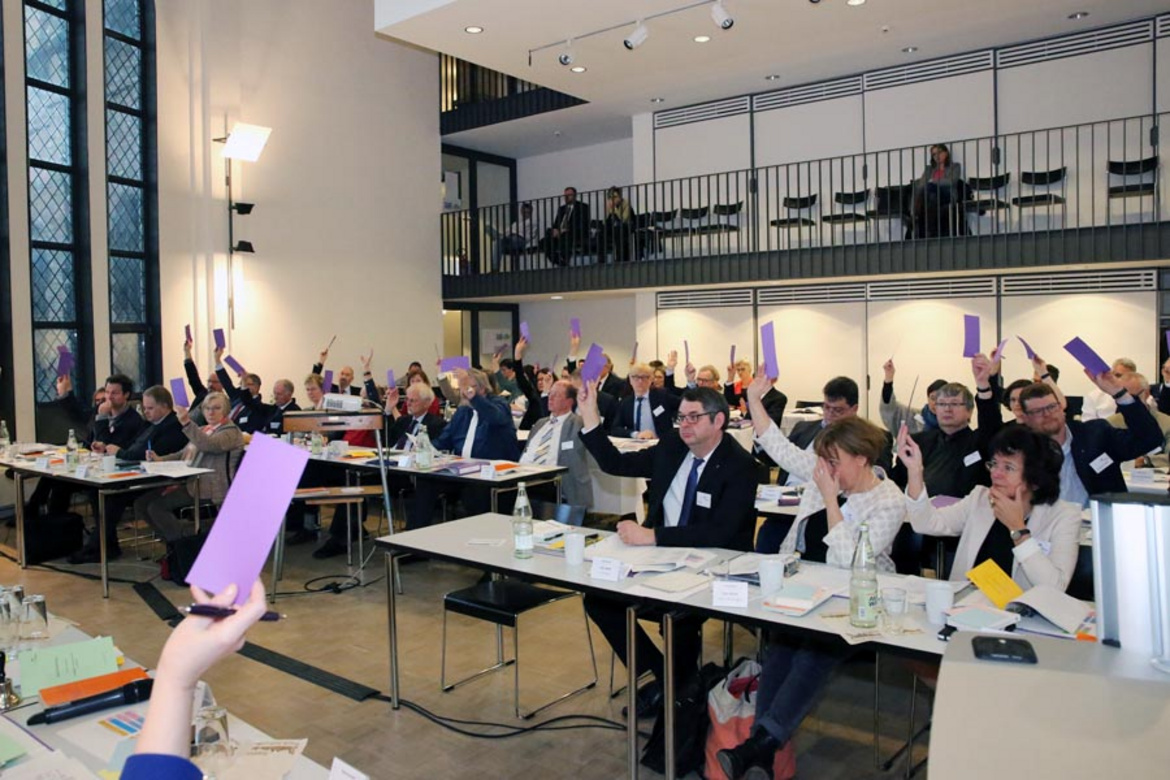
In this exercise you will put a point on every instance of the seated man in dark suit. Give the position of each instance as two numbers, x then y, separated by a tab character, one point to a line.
344	384
570	231
481	428
646	413
419	398
701	494
282	401
536	393
554	442
247	412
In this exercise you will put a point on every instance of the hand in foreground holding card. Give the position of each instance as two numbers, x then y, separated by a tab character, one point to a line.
756	391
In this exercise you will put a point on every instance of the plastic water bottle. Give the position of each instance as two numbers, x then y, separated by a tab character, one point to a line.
424	451
71	455
317	445
522	524
5	441
863	584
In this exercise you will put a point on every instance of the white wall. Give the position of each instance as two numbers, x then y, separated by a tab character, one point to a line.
586	168
911	114
338	219
609	321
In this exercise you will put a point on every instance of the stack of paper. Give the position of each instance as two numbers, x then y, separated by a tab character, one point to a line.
796	598
648	558
1049	611
978	618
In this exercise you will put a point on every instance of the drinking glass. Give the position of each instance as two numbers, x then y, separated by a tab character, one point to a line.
212	748
893	610
35	618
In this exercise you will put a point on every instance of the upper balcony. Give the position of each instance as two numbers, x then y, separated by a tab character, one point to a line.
472	96
1090	193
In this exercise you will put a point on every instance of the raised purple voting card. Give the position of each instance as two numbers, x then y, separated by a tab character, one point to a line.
686	352
454	363
187	330
1085	355
594	362
575	326
234	365
65	361
970	335
524	332
1031	353
327	382
250	517
220	342
998	353
389	379
768	346
179	393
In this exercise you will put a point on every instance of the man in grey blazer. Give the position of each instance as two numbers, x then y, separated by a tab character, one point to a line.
553	441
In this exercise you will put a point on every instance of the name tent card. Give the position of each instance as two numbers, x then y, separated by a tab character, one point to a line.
729	593
607	569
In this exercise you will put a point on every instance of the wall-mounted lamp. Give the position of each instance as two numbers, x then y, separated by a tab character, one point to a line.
245	143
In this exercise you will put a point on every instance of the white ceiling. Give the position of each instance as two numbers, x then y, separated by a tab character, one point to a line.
798	40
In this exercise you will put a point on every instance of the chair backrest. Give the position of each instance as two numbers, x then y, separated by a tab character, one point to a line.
693	214
1133	167
851	198
661	217
809	404
1043	178
988	183
892	200
314	421
727	209
562	513
800	202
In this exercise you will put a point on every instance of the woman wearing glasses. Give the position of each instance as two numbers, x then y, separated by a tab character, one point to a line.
1019	522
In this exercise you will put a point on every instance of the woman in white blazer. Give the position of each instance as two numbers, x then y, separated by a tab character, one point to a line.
1019	521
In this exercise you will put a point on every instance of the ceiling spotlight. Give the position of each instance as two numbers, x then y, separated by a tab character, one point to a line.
702	38
637	37
1078	15
566	57
909	49
244	246
473	30
720	16
243	208
578	69
657	100
855	2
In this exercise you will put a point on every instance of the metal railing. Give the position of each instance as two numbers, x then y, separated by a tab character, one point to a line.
1100	174
463	83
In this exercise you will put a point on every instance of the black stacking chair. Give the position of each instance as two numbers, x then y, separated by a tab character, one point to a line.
850	213
794	207
892	203
1145	171
1046	189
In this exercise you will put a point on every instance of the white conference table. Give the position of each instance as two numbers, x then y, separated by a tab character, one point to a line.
450	541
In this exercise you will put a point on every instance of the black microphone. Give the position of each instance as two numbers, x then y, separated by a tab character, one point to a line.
131	693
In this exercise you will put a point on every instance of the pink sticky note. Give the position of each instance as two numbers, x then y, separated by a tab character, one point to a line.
594	362
250	517
970	335
452	363
575	326
65	361
524	333
686	352
1031	353
234	364
179	393
768	345
390	378
187	330
327	383
1085	355
998	353
220	342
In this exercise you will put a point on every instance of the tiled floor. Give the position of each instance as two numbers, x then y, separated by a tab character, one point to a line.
346	634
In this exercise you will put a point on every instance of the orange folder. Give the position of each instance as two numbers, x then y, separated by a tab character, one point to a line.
91	686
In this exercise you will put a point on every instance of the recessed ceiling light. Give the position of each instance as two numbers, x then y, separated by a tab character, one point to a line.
702	38
1078	15
578	69
773	77
909	49
657	100
557	297
854	2
473	30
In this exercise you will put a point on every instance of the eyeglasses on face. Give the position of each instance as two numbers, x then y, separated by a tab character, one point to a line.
639	376
1043	410
950	404
831	410
693	419
1005	467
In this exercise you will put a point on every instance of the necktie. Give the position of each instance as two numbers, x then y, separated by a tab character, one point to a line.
689	495
404	443
638	414
469	442
236	411
544	444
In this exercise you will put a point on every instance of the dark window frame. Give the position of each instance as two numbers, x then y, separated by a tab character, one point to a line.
7	331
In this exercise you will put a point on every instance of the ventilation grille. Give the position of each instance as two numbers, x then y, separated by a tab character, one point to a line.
1072	45
704	299
702	112
821	293
1163	23
1119	281
974	287
812	93
928	71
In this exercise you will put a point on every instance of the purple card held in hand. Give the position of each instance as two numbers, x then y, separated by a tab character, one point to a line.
390	384
524	332
970	335
1031	353
453	363
998	353
220	342
250	518
327	382
187	330
575	326
594	362
234	365
65	361
179	393
1085	355
768	346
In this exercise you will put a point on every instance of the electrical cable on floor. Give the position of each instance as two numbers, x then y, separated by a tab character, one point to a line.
510	730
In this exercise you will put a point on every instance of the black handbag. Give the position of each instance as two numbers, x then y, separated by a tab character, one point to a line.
691	721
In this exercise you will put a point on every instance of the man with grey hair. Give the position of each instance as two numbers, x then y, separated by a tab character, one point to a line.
1139	387
282	401
1098	405
419	398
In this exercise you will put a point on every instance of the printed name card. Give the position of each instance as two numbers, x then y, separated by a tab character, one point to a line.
487	471
343	771
42	462
607	569
81	472
728	593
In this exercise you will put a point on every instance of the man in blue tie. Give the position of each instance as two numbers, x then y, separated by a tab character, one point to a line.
702	494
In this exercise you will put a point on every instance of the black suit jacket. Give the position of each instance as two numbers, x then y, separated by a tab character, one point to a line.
165	438
404	424
616	386
576	224
623	423
273	416
537	404
1093	438
121	430
197	387
318	368
729	478
255	415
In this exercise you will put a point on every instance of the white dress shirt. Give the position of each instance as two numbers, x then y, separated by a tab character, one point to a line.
672	502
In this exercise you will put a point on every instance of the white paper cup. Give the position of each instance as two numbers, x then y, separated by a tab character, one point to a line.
771	575
110	464
574	548
939	598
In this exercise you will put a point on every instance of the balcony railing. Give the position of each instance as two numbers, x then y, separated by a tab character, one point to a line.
1103	174
472	96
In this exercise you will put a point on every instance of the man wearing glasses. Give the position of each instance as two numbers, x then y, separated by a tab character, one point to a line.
646	413
1093	449
701	494
841	396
